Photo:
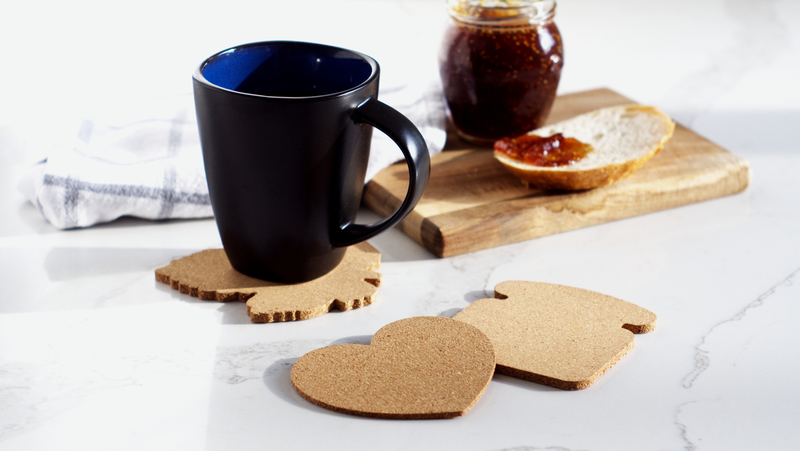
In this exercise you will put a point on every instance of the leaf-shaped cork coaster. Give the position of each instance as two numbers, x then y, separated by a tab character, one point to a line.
415	368
555	335
209	275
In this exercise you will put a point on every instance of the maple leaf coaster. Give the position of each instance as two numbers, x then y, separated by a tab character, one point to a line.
208	275
415	368
556	335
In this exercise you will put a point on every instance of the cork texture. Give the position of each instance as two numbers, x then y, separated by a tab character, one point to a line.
415	368
208	275
556	335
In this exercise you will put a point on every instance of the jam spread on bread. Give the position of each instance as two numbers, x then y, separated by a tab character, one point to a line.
551	151
500	80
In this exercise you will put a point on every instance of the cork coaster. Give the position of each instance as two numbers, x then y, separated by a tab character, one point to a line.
209	275
556	335
415	368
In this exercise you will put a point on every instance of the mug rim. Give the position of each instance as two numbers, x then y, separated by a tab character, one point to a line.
198	72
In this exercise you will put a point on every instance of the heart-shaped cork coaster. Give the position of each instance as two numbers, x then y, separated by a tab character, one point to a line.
209	275
555	335
415	368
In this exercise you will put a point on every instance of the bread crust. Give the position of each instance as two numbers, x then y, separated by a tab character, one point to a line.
568	179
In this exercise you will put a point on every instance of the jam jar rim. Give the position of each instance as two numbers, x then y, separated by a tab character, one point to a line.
533	12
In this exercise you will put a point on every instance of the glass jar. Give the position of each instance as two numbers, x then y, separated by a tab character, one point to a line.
500	64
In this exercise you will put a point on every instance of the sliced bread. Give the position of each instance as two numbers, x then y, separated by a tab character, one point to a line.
623	137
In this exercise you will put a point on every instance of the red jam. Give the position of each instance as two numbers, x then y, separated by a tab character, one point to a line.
551	151
500	80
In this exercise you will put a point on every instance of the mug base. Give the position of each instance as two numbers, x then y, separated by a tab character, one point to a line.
290	272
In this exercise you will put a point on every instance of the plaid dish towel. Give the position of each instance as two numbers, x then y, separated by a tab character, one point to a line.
143	159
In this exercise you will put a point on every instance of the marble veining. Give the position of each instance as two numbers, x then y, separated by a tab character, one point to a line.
96	355
35	392
682	427
536	448
759	37
702	356
238	364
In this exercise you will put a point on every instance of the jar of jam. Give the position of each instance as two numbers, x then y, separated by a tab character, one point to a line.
500	64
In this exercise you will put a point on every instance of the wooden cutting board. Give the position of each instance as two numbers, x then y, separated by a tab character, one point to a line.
473	203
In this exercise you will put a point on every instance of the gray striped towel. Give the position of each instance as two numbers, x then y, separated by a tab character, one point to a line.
142	158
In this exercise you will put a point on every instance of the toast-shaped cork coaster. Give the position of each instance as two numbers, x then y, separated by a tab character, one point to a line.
555	335
208	275
415	368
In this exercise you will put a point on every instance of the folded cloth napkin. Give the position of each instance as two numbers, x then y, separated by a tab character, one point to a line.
142	158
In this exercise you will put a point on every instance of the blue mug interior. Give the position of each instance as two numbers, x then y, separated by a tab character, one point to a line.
288	69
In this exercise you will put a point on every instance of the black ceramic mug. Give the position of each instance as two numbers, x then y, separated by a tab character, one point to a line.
285	129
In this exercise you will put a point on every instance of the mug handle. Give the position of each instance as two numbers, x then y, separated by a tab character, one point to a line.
408	138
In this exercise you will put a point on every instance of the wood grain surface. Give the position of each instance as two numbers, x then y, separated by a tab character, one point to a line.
472	202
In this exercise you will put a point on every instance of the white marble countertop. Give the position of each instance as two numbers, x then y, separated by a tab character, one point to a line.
95	354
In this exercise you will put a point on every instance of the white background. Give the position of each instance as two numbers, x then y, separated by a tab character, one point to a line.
94	354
